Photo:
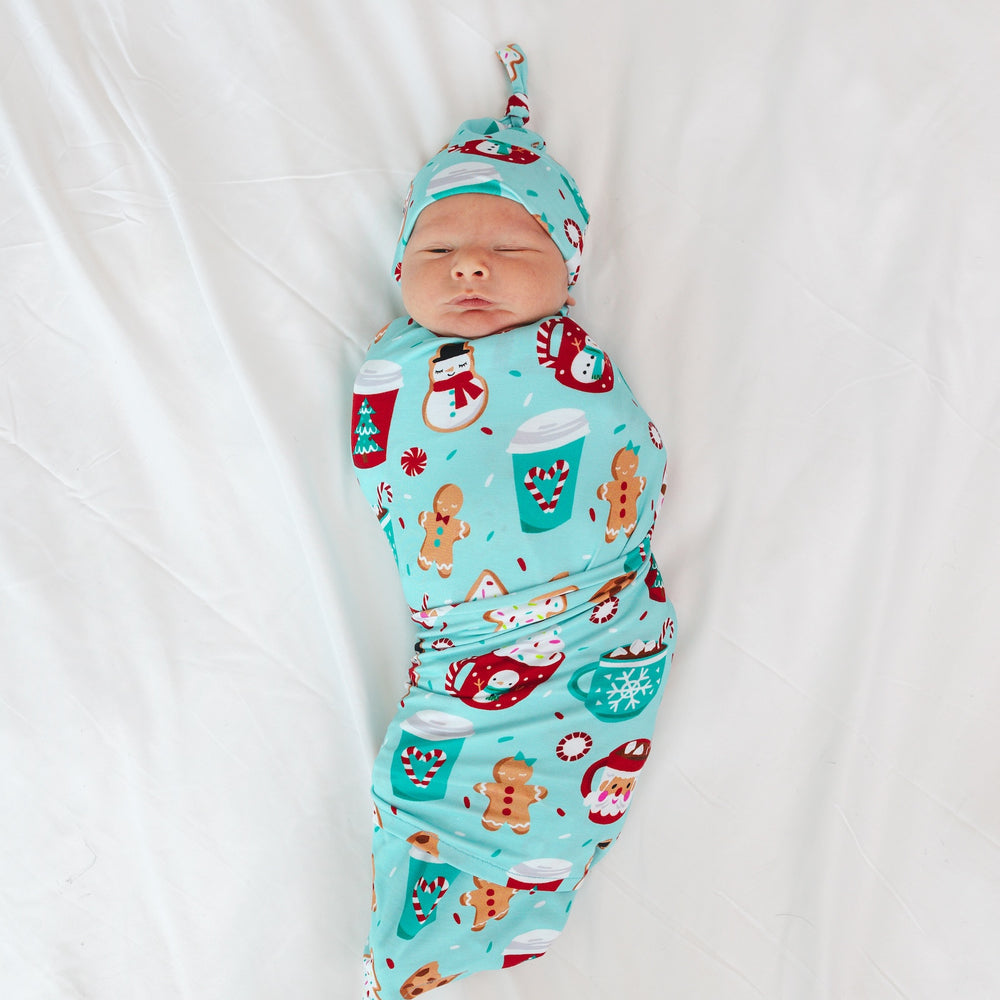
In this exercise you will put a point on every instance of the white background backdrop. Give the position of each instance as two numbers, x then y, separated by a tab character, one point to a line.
794	255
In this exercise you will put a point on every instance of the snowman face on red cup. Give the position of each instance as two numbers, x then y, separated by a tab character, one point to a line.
506	676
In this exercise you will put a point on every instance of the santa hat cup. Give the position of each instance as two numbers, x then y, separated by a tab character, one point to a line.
503	158
625	761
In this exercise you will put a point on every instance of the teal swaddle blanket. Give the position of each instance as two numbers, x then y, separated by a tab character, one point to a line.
517	480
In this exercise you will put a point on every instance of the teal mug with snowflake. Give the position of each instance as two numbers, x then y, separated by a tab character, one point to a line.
624	682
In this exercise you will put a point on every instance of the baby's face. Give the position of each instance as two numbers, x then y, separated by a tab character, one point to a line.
477	264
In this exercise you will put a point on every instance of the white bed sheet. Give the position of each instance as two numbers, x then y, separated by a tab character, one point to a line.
794	254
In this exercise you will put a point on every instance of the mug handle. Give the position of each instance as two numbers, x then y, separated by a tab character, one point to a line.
574	681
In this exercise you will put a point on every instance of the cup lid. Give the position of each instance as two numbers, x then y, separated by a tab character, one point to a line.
532	941
541	869
378	376
468	173
551	429
419	854
434	725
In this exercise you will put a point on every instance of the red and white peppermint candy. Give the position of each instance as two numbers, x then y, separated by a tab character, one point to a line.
605	611
413	461
559	470
436	756
573	233
437	887
573	746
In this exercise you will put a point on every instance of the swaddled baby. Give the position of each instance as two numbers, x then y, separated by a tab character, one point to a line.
517	480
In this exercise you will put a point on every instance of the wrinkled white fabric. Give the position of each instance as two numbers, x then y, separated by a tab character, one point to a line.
794	225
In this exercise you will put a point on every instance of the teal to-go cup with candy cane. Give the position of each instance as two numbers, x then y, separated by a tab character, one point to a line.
546	452
429	879
429	744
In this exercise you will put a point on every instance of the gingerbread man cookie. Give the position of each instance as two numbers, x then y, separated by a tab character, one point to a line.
441	530
425	979
491	901
622	492
510	794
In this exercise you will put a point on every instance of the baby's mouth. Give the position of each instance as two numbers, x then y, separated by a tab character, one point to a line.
471	302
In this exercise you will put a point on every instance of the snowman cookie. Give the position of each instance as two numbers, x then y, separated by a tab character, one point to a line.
457	395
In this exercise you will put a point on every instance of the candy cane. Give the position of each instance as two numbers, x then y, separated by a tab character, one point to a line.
560	466
437	755
543	344
438	886
451	678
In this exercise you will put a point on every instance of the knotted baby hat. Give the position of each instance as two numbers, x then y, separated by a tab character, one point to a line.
502	157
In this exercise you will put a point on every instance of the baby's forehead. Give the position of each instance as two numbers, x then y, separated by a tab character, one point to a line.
472	209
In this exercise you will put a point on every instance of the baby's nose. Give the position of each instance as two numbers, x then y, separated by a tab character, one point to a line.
469	264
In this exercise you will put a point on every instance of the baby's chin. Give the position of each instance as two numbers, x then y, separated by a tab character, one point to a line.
476	324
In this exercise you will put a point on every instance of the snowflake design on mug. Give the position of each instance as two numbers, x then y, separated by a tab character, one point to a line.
629	688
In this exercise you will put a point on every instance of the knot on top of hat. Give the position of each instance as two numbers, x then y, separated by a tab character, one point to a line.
516	63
